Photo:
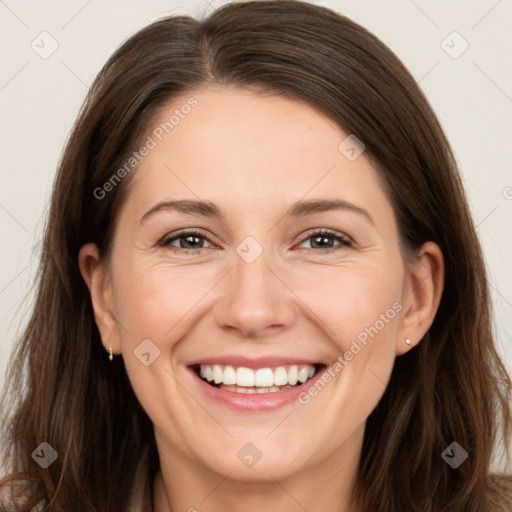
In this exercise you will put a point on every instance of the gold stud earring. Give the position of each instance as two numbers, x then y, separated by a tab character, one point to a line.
111	356
408	341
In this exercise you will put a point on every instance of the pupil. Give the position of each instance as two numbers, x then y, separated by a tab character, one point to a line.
188	238
322	238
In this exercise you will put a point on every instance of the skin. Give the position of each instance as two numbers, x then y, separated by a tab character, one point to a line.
253	156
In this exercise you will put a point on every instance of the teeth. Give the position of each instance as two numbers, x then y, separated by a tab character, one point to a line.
244	377
303	374
281	376
229	375
217	374
293	372
252	390
262	380
264	377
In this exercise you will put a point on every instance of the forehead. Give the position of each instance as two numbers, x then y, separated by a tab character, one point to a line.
247	150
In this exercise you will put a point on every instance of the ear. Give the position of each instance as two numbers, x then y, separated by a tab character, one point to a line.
421	296
97	277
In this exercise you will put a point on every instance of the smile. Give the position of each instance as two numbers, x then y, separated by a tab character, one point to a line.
260	380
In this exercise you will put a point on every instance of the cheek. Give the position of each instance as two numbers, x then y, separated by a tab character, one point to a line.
352	303
153	299
358	309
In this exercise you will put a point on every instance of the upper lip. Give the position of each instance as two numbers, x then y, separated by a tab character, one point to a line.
254	363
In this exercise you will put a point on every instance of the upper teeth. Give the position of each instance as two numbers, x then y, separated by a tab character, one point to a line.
262	377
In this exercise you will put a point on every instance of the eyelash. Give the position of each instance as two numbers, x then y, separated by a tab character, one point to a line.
344	241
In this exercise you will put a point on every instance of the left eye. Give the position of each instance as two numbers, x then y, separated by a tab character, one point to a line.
320	238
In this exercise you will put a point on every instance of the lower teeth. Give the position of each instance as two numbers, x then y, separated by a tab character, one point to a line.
238	389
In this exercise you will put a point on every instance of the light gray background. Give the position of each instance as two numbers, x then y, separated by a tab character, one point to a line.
40	98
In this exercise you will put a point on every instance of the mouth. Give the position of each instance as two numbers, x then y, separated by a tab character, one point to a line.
243	380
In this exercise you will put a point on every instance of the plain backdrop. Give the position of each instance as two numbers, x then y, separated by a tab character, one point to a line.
466	76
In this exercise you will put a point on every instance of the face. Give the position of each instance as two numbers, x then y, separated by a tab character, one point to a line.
222	311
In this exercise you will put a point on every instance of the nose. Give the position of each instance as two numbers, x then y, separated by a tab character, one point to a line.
255	302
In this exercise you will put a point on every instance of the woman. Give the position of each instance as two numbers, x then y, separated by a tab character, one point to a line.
252	371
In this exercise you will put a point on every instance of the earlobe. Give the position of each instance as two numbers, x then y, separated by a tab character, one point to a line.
422	295
97	279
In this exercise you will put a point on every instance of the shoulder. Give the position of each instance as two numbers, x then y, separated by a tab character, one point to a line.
499	489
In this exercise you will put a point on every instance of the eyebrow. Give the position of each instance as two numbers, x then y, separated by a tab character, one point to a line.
298	209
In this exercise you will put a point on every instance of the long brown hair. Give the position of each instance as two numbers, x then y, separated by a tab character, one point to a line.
451	387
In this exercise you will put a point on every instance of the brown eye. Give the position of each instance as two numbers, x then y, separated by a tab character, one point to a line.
189	241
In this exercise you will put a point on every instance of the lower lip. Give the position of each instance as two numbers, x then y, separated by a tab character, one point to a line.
254	401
